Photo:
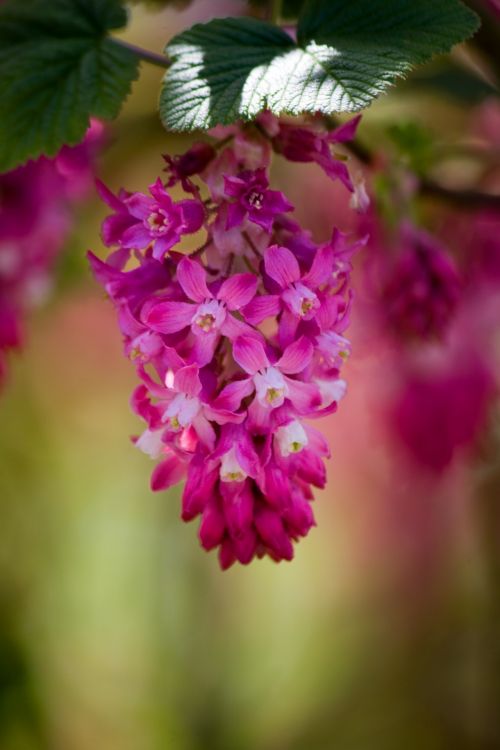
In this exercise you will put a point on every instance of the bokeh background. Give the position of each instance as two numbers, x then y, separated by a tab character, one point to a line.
117	632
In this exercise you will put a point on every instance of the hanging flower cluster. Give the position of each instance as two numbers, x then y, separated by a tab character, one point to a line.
35	220
239	343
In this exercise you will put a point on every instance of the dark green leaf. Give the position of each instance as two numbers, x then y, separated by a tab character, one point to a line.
58	68
348	53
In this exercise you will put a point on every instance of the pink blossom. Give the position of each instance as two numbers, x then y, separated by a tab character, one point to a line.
253	199
225	404
140	220
311	145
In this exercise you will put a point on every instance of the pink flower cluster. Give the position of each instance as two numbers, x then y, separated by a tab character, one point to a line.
236	344
35	219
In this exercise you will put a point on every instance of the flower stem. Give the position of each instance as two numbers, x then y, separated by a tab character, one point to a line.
275	11
161	61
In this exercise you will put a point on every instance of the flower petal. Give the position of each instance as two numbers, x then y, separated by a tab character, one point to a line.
187	380
169	316
231	396
281	265
345	132
249	354
139	205
321	268
191	276
136	237
235	215
193	215
296	357
167	473
238	290
260	308
304	396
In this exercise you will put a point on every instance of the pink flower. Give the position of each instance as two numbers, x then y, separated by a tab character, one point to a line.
299	298
306	145
208	314
272	382
140	221
224	404
253	199
193	162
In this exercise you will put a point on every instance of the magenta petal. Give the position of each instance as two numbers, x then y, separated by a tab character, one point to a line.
233	186
231	396
304	396
281	265
167	473
193	215
249	354
238	510
204	430
136	237
140	206
187	380
232	328
110	198
204	348
287	328
235	215
296	356
238	290
213	525
260	308
169	317
321	268
270	529
191	276
345	132
276	203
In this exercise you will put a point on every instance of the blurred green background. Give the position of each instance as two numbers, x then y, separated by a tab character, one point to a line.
118	633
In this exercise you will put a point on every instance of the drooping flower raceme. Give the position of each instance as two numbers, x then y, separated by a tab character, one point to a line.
239	344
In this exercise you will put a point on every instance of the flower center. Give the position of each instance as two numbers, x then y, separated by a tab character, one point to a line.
274	394
256	198
158	222
230	469
205	322
306	305
291	438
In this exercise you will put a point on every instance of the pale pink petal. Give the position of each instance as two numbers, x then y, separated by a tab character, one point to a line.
169	316
260	308
191	276
204	430
238	290
249	354
281	265
187	380
167	473
231	396
321	268
232	328
204	348
304	396
296	356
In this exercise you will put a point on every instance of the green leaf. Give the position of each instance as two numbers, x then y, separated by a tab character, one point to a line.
58	68
347	54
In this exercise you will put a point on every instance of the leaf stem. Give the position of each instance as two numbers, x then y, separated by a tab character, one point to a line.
161	61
